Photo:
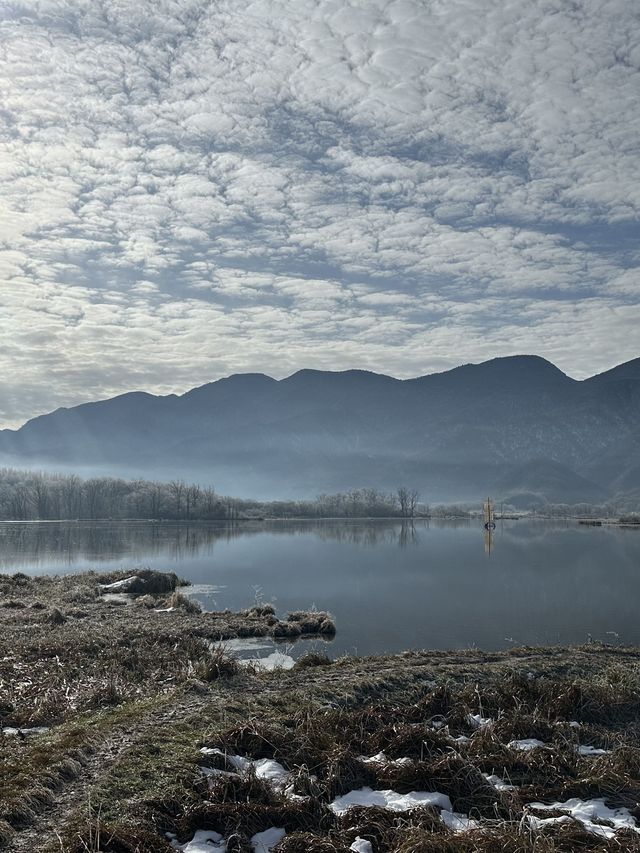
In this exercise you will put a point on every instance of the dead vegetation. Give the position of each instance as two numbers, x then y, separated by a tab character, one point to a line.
87	649
133	694
431	740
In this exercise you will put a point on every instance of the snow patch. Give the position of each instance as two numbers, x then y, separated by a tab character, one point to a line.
265	768
203	841
263	842
9	731
498	783
247	651
121	585
526	744
389	800
458	822
476	721
381	758
592	750
361	846
585	812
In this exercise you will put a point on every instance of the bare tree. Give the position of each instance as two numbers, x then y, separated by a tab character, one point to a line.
71	496
39	496
176	490
192	495
408	501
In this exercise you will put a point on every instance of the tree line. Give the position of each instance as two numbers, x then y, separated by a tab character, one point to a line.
29	495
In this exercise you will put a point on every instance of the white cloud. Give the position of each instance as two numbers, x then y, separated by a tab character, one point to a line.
191	187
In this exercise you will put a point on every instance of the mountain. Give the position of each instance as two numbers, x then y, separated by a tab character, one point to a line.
517	427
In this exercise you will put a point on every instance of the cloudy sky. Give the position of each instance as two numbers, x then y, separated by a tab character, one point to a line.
193	188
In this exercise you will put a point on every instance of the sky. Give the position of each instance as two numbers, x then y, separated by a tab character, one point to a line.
195	188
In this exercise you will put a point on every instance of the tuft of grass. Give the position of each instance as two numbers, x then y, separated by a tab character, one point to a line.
148	601
183	602
219	663
308	842
106	694
312	622
311	659
260	610
6	833
57	617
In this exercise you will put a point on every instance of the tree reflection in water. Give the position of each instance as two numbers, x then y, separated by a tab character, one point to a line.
65	544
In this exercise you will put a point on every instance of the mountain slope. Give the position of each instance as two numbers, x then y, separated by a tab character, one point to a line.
516	424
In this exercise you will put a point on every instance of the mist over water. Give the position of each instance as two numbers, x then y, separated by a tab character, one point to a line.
390	586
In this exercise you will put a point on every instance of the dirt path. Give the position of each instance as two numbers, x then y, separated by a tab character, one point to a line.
72	801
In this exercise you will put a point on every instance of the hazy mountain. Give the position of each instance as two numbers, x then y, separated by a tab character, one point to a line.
516	426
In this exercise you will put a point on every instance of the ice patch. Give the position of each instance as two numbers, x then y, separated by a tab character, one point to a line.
247	651
592	750
203	841
276	660
498	783
526	744
263	842
361	846
585	812
478	722
389	800
247	644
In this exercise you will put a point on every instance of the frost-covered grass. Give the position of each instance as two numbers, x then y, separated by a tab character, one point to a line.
417	753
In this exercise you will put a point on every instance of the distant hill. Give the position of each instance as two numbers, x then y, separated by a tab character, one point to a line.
517	427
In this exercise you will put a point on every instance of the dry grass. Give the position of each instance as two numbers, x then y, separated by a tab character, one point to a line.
323	747
124	676
183	602
217	663
67	659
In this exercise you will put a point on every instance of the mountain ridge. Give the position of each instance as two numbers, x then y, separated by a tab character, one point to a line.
448	434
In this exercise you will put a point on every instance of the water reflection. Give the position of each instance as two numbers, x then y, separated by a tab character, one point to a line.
390	586
65	544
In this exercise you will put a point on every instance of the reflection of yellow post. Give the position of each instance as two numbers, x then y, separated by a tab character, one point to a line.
488	541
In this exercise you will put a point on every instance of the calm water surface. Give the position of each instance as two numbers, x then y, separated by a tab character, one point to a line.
390	587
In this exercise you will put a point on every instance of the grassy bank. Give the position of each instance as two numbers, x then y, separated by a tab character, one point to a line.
125	729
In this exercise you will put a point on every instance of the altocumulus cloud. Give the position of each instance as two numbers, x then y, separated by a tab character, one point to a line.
190	188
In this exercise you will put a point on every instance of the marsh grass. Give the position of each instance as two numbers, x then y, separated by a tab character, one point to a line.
183	602
216	663
324	747
176	693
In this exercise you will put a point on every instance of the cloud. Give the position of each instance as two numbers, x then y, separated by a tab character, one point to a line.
190	188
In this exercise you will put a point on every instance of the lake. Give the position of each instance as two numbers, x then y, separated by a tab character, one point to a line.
389	586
